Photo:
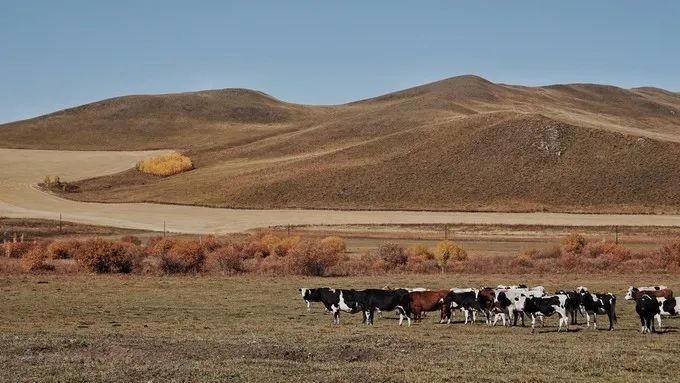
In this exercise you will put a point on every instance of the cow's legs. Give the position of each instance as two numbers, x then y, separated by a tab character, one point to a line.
533	323
336	315
658	320
595	321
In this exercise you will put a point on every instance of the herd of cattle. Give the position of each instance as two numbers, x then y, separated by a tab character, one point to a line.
506	303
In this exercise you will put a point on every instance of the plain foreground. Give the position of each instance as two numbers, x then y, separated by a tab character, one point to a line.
132	328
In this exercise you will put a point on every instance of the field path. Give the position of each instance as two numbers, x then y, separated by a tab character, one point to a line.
20	170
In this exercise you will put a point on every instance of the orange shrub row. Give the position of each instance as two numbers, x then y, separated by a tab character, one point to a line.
292	255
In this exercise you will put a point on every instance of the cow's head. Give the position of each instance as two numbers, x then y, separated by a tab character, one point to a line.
630	295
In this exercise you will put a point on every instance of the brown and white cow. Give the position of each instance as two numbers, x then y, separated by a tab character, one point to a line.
635	293
431	300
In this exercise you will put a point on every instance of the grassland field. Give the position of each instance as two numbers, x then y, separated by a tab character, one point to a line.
94	328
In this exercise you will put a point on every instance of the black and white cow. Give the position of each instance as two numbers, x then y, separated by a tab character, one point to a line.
544	307
647	308
573	305
667	307
370	300
310	295
507	305
464	299
334	301
593	304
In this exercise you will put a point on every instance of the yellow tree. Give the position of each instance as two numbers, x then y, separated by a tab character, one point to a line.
447	250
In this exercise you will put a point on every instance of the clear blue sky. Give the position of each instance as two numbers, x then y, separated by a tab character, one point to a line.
56	54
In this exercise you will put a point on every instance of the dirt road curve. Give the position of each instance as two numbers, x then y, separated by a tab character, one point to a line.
19	169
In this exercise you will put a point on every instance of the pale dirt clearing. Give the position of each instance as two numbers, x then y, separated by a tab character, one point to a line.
20	169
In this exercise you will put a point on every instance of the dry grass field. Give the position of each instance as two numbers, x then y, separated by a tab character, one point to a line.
576	148
208	329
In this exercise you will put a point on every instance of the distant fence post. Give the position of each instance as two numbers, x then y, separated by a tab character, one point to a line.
616	235
60	222
164	228
446	232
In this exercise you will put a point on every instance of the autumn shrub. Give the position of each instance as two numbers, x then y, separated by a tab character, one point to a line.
312	258
668	256
210	243
131	239
552	252
102	256
334	243
165	165
229	260
421	251
275	265
16	249
183	256
393	255
574	243
35	259
63	249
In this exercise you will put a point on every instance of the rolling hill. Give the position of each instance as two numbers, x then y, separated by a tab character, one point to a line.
462	143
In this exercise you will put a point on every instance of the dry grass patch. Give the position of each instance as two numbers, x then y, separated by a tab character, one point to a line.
166	165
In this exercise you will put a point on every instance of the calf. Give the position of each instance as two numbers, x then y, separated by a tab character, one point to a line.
647	308
593	304
544	307
634	293
421	301
667	307
371	300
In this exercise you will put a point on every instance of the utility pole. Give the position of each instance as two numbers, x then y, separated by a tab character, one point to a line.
60	222
288	229
446	232
164	228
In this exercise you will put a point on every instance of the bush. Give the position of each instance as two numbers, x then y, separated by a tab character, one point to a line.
131	239
669	255
166	165
65	249
449	250
227	259
574	243
393	255
334	243
421	251
210	243
183	257
312	258
552	252
17	249
34	260
102	256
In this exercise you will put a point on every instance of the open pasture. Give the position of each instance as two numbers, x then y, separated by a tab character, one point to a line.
256	328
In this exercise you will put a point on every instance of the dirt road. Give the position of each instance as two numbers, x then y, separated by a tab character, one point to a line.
20	169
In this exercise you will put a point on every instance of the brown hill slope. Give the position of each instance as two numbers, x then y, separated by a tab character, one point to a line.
458	144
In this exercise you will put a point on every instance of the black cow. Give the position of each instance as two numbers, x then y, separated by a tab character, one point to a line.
647	308
467	301
370	300
593	304
573	306
545	307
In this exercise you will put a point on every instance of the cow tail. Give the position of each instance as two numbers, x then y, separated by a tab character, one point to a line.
614	308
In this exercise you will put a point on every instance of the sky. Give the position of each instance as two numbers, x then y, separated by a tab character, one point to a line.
58	54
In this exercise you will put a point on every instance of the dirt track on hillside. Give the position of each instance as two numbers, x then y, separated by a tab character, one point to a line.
20	169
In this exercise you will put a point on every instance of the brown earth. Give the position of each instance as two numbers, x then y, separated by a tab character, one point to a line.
459	144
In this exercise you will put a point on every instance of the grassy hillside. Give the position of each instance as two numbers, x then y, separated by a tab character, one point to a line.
458	144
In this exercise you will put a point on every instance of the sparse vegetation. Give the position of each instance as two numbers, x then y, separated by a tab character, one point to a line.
166	165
